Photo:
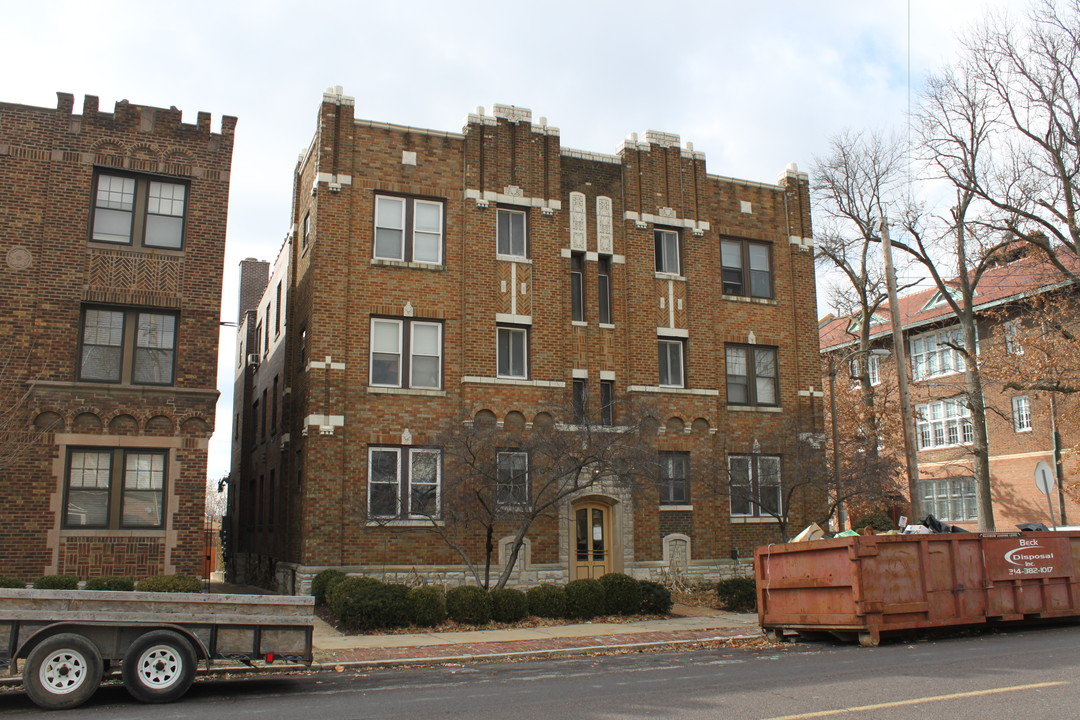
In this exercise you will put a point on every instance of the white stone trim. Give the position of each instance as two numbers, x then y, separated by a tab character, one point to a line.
675	391
672	332
589	155
512	319
579	374
753	408
670	221
490	196
419	392
607	374
479	380
328	364
326	423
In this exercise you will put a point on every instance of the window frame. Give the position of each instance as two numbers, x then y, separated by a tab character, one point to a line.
579	400
511	331
140	214
746	270
937	494
750	363
603	289
506	249
406	352
947	424
873	369
607	402
674	488
523	479
130	338
938	356
404	484
577	287
1021	413
409	229
664	346
753	499
662	237
117	489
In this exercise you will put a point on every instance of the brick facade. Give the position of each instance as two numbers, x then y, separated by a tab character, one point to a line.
152	268
606	208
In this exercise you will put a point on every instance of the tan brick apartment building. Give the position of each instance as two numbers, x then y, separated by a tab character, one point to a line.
494	273
112	245
1021	424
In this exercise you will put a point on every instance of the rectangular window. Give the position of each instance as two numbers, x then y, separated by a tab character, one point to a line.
512	485
410	474
607	402
873	369
755	485
671	363
577	287
406	353
511	233
266	330
512	351
305	232
746	268
115	488
136	210
937	353
133	346
1012	338
274	410
408	229
943	423
277	310
1021	408
674	478
667	251
950	499
752	377
603	289
580	399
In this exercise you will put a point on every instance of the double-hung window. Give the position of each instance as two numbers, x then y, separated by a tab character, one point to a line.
950	499
1021	412
138	210
674	478
937	353
577	287
752	377
667	251
408	229
510	231
671	363
873	369
512	482
746	268
943	423
115	488
512	352
406	353
755	485
130	346
404	482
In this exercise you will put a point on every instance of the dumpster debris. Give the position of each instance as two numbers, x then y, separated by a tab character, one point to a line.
813	531
1032	527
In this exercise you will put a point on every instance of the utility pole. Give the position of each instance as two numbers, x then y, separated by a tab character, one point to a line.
902	370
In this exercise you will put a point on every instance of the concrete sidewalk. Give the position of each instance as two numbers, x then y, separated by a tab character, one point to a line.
333	649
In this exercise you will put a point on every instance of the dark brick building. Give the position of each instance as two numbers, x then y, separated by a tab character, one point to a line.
113	240
492	273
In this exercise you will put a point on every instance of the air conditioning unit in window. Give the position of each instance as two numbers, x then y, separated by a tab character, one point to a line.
253	359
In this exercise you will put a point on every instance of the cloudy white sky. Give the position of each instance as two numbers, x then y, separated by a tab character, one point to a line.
754	86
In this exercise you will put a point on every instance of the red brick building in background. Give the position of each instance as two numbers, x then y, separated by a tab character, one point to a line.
112	245
493	273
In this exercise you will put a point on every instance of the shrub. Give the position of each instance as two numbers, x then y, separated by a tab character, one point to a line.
57	582
508	605
111	582
738	594
547	601
340	588
622	594
170	584
655	598
584	599
322	582
877	520
10	582
468	604
371	605
427	605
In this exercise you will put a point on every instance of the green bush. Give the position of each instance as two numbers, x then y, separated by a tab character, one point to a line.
322	582
622	594
877	520
738	594
655	598
178	583
372	605
111	582
468	604
584	599
547	601
10	582
508	605
427	605
341	588
57	582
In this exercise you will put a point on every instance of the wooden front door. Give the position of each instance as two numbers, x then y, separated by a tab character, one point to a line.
592	540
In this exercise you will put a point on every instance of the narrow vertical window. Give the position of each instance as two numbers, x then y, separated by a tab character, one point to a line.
603	289
577	287
277	310
512	352
1021	406
671	363
580	390
607	402
511	233
386	352
667	251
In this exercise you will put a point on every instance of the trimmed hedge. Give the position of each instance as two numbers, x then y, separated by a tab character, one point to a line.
340	588
111	582
372	605
178	583
468	604
655	598
584	599
427	605
322	582
738	594
622	594
508	605
57	582
10	582
547	601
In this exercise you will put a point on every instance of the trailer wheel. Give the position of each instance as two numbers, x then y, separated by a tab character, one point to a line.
158	667
62	672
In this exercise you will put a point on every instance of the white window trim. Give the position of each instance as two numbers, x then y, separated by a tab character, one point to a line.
663	341
525	359
413	355
400	516
1021	413
408	231
918	360
371	352
397	465
403	382
925	420
524	230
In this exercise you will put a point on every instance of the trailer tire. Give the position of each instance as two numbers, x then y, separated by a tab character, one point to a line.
158	667
62	672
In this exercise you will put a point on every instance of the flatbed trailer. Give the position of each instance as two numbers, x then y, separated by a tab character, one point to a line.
66	639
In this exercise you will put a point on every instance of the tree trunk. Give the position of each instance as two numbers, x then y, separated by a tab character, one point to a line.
980	446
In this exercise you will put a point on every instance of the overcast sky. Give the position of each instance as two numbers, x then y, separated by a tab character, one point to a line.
754	86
